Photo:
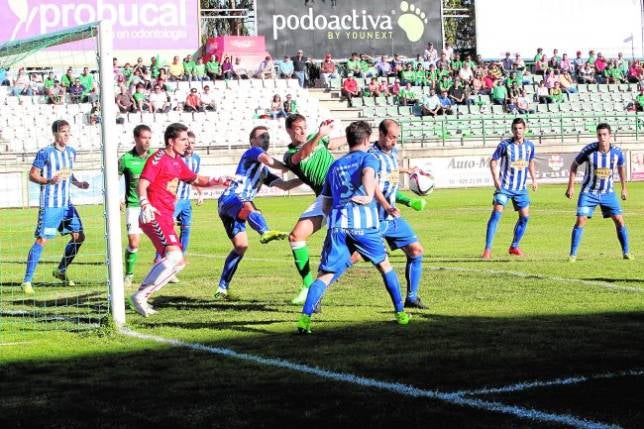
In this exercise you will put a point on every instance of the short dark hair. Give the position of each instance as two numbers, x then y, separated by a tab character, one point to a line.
604	126
139	129
518	121
254	130
384	125
191	135
58	124
293	118
172	132
357	131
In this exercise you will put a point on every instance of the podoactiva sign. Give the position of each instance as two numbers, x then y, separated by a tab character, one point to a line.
345	26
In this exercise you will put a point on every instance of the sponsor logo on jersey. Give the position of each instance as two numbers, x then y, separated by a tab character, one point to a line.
519	164
603	173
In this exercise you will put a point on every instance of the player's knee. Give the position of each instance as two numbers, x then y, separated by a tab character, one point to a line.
293	237
524	219
385	266
78	237
240	249
175	257
415	250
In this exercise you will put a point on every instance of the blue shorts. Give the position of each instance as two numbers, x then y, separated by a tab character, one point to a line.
183	212
397	232
340	243
520	199
229	208
607	202
54	220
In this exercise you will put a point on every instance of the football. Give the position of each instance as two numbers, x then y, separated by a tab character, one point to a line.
421	183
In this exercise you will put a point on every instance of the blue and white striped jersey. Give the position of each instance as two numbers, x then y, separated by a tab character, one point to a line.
344	180
515	159
54	162
600	168
194	164
250	175
388	178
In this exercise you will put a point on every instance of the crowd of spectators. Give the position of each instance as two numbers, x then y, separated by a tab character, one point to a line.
68	88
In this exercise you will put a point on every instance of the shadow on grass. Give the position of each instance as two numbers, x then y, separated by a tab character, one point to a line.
178	387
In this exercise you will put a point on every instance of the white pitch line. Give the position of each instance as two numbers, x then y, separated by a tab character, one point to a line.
519	387
521	274
15	344
399	388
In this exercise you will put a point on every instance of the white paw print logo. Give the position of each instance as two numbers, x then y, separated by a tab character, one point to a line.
413	21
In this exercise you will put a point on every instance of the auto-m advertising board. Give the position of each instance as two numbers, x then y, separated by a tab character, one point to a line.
345	26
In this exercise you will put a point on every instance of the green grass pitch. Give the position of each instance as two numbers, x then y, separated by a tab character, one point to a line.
490	324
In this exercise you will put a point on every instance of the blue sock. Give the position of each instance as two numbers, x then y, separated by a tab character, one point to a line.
577	232
413	272
70	253
257	222
230	266
316	290
495	217
393	287
32	261
185	238
622	235
519	230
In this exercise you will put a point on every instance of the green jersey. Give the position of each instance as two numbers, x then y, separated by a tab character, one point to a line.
131	166
313	169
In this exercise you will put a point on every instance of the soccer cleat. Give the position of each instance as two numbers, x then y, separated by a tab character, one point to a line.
487	254
60	275
26	288
140	305
402	318
127	280
300	298
318	307
515	251
269	236
221	294
417	303
418	204
572	259
629	256
304	324
174	279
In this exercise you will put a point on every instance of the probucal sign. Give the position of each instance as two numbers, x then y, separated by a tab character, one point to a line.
345	26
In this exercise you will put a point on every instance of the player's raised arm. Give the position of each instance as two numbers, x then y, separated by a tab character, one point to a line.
271	162
337	142
570	191
307	148
286	185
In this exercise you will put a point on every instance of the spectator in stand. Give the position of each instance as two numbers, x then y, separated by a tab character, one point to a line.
407	96
227	68
383	88
140	98
448	51
372	90
541	65
542	95
431	54
622	64
514	91
456	64
350	89
21	84
550	79
366	68
477	84
87	80
586	74
420	76
408	75
139	64
277	109
213	69
290	105
488	84
155	68
499	93
431	104
76	92
567	83
189	68
396	65
639	101
507	64
445	83
556	94
266	69
565	65
239	71
193	102
135	80
68	78
555	60
538	56
457	93
124	101
578	63
446	103
286	68
523	104
519	64
383	67
591	57
600	67
127	71
176	69
635	72
299	67
614	74
49	82
328	70
158	100
208	99
200	71
353	66
56	95
395	90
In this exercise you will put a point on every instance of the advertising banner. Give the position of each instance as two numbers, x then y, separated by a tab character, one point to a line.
345	26
637	165
137	24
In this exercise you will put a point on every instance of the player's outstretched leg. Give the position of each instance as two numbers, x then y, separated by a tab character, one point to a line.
519	231
230	267
158	277
32	262
315	293
304	228
492	225
257	221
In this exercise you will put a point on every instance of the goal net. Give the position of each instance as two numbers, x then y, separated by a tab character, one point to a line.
49	280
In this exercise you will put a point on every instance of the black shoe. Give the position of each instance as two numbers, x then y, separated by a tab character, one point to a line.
318	307
418	303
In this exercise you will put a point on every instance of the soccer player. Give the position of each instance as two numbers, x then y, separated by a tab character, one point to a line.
602	159
395	229
353	224
183	208
157	194
53	170
517	161
131	165
236	203
309	158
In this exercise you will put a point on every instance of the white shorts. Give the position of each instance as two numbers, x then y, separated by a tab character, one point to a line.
315	210
132	220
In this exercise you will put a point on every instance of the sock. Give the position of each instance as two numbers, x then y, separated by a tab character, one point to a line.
158	277
413	272
577	232
403	199
622	235
32	261
70	252
257	222
393	287
316	290
130	260
185	238
301	257
230	266
495	217
519	230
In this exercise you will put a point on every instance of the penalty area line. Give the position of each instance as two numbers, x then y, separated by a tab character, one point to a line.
398	388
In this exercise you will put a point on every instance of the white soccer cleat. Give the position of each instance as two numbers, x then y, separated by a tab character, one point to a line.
174	279
127	280
140	305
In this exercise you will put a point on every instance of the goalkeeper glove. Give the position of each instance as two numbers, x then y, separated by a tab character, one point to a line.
147	211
